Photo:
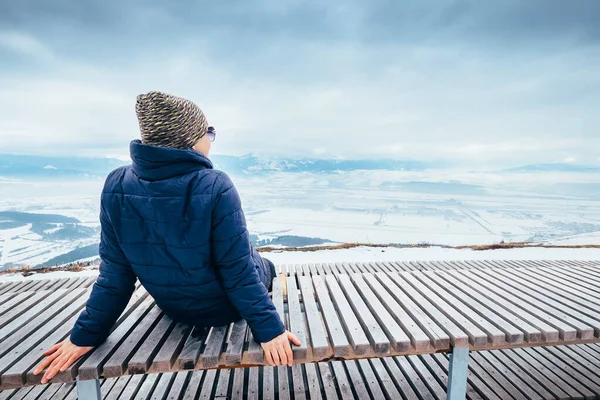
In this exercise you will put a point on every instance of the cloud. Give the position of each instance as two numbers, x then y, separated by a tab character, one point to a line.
496	81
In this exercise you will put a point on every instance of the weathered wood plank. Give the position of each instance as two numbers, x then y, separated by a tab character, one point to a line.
142	359
497	314
253	379
268	387
297	324
375	333
497	330
318	339
341	379
237	387
338	339
395	379
283	383
93	365
222	389
328	381
499	297
554	316
190	352
214	346
117	363
418	338
170	349
394	332
236	342
354	331
458	338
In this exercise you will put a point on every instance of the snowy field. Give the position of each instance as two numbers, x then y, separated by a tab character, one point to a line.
366	254
435	207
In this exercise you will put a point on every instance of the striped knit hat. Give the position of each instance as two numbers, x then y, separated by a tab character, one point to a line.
169	121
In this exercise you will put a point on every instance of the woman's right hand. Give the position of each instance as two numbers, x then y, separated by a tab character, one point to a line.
279	351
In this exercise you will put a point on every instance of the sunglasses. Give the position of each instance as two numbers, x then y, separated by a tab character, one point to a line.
212	134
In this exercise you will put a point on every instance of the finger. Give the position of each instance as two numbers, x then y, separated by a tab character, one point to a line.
268	357
55	367
294	339
282	355
68	363
275	356
53	349
47	361
288	353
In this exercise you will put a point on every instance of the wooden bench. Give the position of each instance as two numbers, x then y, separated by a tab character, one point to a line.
560	372
340	311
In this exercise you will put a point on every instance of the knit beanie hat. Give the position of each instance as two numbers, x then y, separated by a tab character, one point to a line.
169	121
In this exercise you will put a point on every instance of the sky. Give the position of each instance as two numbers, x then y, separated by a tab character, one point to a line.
481	82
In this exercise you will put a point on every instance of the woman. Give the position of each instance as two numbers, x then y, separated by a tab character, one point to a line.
173	222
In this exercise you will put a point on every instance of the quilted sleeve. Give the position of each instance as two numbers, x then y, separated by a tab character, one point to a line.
110	293
232	256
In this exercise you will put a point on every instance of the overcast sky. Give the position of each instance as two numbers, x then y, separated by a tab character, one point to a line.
506	81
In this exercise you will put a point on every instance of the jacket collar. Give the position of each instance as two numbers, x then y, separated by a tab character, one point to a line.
154	163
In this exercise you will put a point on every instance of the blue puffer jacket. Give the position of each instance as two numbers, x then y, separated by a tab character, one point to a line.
176	224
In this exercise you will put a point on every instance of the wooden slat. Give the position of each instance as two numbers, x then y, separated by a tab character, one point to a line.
296	319
170	349
253	379
235	345
500	296
93	365
493	311
359	384
237	387
447	305
163	385
27	352
338	339
188	358
567	374
394	381
375	333
529	388
283	383
497	330
214	345
458	338
341	378
268	386
570	328
354	331
178	386
222	389
559	388
117	363
318	339
147	386
427	377
142	359
312	379
394	332
581	311
328	380
418	338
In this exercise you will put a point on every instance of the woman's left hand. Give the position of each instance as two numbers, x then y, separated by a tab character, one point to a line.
60	357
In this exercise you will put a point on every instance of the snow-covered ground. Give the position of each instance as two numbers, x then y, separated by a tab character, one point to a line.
363	254
408	207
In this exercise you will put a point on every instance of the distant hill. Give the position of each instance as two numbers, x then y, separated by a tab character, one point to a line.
555	167
37	167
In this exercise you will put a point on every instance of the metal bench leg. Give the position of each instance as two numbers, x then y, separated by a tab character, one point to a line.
457	374
89	389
